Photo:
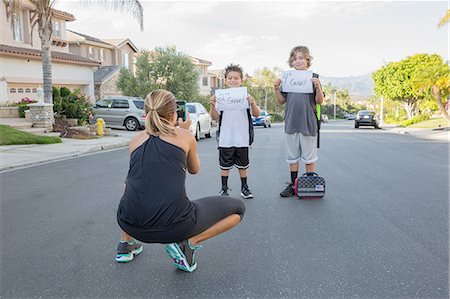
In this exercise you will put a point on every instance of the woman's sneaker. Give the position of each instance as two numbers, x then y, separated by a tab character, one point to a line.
127	250
183	255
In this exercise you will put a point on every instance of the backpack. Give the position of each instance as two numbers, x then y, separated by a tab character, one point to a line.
251	131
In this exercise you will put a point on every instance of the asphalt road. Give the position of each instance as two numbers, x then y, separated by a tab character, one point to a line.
380	232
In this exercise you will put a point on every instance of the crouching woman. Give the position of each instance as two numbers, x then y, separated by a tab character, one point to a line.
155	207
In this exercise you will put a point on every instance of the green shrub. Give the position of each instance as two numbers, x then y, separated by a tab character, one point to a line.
23	105
72	104
204	100
276	117
415	119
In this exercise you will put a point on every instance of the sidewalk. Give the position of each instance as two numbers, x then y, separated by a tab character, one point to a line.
14	156
441	134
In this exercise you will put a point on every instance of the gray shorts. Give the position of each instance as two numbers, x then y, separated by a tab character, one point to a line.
301	148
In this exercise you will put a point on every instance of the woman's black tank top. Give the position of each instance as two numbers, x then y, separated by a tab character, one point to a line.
155	195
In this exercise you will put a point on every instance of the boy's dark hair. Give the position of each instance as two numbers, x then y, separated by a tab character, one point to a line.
234	68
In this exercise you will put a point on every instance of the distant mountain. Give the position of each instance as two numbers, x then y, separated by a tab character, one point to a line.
359	87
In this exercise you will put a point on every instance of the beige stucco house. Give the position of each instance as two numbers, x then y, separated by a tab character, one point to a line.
20	56
204	82
113	55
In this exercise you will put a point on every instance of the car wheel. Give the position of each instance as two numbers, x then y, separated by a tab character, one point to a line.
131	124
356	125
197	133
208	135
265	126
270	126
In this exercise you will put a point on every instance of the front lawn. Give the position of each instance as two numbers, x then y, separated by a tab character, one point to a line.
432	123
11	136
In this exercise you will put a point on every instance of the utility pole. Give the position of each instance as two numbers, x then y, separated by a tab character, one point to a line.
334	110
382	109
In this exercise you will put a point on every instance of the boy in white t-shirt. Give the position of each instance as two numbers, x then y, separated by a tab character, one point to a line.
234	139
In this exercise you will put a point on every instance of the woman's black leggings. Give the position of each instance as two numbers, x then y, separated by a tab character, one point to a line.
208	211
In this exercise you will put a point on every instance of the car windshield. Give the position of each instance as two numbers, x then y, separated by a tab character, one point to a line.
366	112
191	108
139	104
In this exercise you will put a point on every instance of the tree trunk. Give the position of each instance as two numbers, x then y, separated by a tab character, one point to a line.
409	107
45	33
265	100
437	96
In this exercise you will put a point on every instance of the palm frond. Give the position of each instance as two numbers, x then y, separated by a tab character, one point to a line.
445	19
132	6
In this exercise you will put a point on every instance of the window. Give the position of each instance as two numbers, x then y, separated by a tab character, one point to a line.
16	26
125	60
120	104
91	53
20	90
205	81
12	90
56	29
104	104
102	55
27	90
34	90
191	108
139	104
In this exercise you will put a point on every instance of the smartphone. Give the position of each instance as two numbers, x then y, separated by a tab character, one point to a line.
181	110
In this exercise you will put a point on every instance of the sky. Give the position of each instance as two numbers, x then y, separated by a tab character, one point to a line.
345	38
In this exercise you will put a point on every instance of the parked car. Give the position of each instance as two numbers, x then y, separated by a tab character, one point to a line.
366	118
121	111
263	119
324	118
350	116
201	122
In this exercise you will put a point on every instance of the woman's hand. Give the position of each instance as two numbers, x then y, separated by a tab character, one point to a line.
185	124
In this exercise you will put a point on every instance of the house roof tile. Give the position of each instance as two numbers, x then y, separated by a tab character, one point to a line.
36	54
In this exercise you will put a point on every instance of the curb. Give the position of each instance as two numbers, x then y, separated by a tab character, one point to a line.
62	157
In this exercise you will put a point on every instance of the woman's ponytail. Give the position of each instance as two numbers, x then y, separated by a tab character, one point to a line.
159	108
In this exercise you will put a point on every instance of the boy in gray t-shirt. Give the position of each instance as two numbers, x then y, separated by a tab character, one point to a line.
300	119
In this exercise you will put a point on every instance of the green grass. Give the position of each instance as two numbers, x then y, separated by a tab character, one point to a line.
432	123
11	136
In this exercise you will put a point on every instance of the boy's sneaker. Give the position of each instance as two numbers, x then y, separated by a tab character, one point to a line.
183	255
288	192
224	191
246	193
127	250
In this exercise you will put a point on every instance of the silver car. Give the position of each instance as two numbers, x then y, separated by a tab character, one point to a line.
201	122
120	111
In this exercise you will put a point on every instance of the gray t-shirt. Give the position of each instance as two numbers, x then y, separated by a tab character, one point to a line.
299	114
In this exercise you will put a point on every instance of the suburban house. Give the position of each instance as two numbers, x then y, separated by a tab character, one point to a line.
216	79
113	54
204	83
20	56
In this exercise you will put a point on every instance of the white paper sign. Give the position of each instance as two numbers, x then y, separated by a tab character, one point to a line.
297	81
231	99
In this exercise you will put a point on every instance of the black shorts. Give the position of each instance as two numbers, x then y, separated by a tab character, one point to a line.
207	212
233	156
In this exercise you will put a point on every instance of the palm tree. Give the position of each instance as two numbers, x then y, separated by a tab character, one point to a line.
445	19
42	16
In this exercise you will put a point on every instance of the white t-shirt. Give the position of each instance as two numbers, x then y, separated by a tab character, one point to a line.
234	129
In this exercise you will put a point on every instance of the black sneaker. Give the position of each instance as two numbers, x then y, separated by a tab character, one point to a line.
246	193
224	191
288	192
127	250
